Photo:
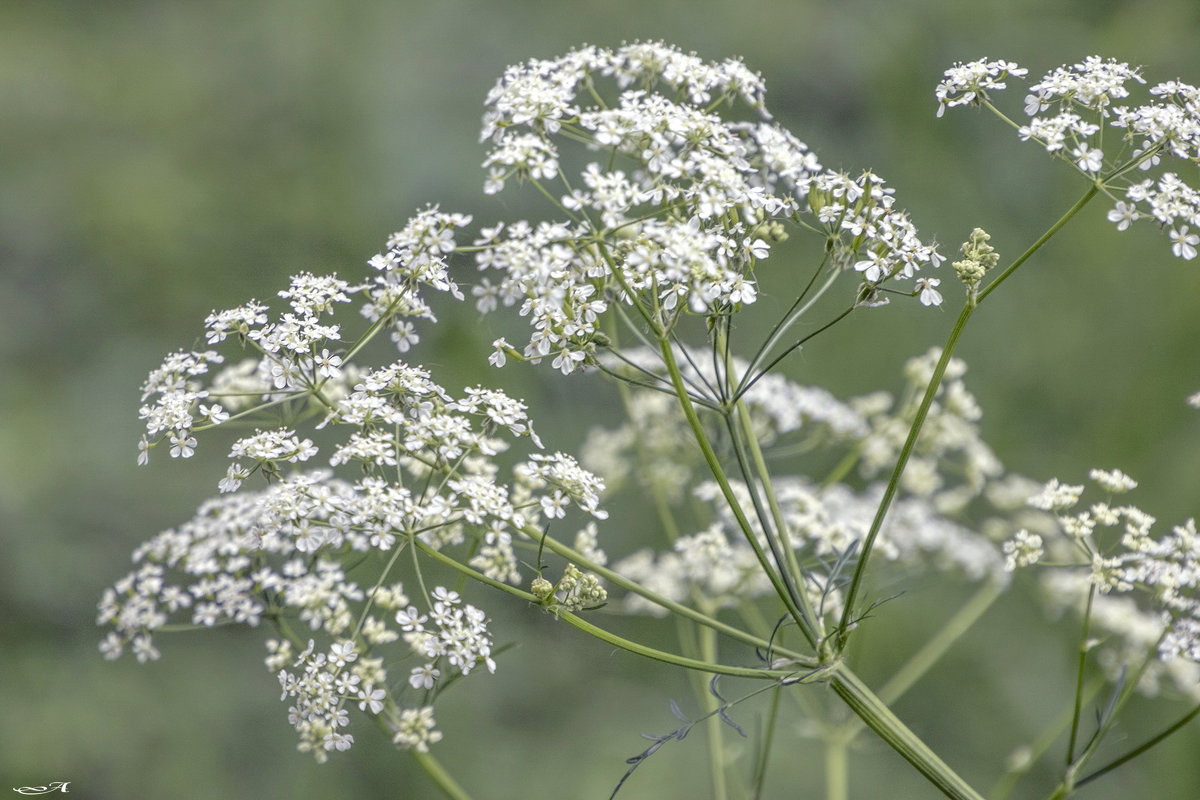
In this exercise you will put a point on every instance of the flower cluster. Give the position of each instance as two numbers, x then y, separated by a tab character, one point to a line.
968	84
298	354
1070	107
951	467
824	524
420	473
1143	584
415	256
575	591
273	555
951	464
679	210
329	680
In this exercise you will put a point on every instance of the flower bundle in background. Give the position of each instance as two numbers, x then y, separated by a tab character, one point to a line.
366	507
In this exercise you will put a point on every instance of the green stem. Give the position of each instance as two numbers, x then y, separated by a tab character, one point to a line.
670	658
718	472
631	646
790	565
893	484
1045	237
577	558
1113	711
716	749
1137	751
879	718
837	768
792	315
947	350
1079	672
1041	744
767	739
437	773
748	381
774	541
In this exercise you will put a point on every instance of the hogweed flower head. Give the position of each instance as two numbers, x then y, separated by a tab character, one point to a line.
676	206
418	470
1144	584
969	83
1070	109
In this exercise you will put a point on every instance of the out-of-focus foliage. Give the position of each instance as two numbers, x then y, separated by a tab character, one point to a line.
159	160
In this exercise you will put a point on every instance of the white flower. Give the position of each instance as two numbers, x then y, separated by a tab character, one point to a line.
1056	496
929	295
1022	550
340	653
1113	481
328	365
1088	159
1184	243
567	360
410	619
1123	214
370	699
182	445
965	82
339	741
423	677
499	353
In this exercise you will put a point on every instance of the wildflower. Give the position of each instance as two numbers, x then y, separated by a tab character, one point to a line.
1023	550
1056	496
1184	243
969	83
927	287
1114	480
1070	106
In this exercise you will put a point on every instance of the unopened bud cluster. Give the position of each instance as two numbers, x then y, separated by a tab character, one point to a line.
575	591
978	258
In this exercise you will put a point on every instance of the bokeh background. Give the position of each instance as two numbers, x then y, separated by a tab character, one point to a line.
162	159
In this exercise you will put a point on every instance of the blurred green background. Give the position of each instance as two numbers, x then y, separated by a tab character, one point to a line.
162	159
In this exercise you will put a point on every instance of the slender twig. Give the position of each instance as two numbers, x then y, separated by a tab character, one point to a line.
748	381
1081	665
889	493
1137	751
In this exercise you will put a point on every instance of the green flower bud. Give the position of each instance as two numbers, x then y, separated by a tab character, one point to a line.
541	588
979	258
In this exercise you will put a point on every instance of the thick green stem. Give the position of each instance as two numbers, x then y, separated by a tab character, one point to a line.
437	773
879	718
933	650
837	768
